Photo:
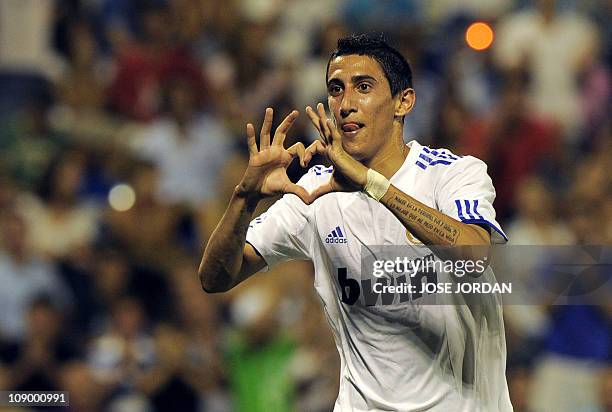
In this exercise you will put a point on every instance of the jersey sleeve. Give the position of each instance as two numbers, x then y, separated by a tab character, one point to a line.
466	193
283	232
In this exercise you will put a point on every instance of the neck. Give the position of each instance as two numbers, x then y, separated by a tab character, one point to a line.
392	155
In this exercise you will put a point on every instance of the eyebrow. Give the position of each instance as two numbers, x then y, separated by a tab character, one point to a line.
360	78
354	79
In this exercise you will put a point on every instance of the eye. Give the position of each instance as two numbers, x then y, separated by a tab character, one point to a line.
364	87
334	89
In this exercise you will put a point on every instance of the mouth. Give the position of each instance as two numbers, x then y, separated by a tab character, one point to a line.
351	129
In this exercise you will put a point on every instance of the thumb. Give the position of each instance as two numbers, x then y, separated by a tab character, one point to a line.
299	191
336	138
320	191
316	147
299	151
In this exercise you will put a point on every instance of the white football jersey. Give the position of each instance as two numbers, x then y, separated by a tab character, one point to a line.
396	356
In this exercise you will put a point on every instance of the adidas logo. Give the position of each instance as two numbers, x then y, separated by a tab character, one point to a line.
336	236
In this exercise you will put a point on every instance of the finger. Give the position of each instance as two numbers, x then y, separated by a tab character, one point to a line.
283	128
320	191
323	122
299	191
299	151
314	119
264	137
317	147
251	141
336	138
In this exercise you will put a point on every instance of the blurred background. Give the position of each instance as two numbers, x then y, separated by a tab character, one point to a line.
122	138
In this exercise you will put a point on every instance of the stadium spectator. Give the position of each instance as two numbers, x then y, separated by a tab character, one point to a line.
259	353
188	147
554	47
28	62
144	66
125	228
28	144
537	221
60	223
121	356
34	361
81	91
86	394
513	141
578	343
24	277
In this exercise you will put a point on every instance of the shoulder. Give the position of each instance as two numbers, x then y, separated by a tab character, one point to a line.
442	163
428	157
442	169
466	171
465	164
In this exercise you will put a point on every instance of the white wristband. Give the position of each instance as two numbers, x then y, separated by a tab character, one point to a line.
376	185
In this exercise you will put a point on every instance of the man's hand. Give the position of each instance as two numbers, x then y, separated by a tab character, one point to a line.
266	174
349	174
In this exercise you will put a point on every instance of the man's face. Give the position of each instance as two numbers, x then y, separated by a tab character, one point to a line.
359	97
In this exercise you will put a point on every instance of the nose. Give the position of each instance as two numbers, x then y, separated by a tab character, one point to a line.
347	105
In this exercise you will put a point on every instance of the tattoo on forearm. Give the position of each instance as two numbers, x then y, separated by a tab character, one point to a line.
439	230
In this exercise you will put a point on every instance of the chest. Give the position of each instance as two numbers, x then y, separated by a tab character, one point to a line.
347	222
350	229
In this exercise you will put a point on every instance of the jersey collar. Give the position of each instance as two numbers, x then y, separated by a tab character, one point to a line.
415	149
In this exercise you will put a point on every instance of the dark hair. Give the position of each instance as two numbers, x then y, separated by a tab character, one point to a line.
396	68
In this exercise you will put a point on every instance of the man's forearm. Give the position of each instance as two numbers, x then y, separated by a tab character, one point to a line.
429	225
223	256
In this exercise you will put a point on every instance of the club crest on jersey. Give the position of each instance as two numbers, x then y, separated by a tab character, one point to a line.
412	238
336	236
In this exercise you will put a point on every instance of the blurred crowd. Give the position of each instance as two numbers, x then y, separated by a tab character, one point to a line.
102	299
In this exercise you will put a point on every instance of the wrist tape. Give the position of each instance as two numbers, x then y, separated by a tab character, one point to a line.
376	185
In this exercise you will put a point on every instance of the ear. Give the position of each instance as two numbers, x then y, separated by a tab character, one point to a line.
405	102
